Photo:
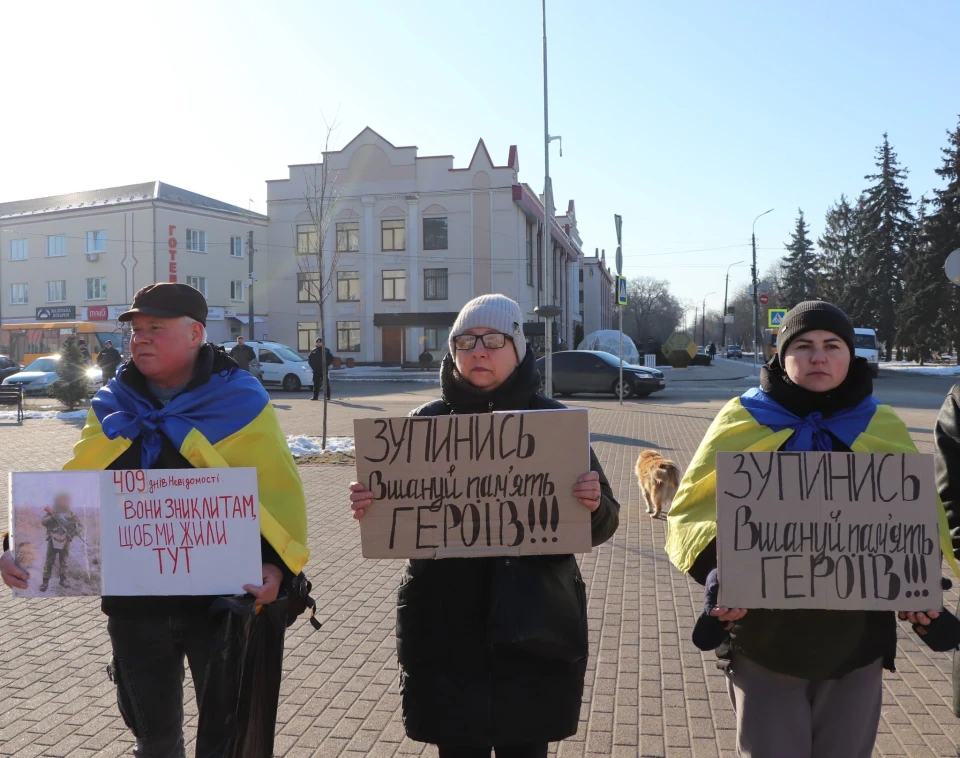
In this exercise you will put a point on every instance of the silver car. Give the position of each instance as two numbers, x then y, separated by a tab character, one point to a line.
39	377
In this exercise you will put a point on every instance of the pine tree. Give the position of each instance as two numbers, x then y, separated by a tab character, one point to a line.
838	255
800	266
72	382
944	229
887	227
923	293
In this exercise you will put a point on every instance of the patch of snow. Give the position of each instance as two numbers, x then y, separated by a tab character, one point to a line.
915	368
12	415
300	445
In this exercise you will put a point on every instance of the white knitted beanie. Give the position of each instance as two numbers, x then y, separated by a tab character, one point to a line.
493	312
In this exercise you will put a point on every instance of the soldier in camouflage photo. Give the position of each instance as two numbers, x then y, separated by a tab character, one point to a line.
62	527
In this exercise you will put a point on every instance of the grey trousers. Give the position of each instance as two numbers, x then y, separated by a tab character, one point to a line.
781	716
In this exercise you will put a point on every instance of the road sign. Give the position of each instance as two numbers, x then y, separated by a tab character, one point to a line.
764	298
763	288
621	290
775	317
729	319
952	266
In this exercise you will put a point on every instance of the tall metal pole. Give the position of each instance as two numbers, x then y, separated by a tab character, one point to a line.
756	295
547	310
726	288
250	334
703	322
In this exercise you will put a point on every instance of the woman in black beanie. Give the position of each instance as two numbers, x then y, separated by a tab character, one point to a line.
803	683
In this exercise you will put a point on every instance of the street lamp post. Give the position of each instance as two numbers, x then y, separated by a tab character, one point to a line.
548	311
726	289
756	302
703	321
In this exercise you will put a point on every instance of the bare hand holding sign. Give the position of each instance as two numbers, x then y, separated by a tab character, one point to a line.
840	531
476	485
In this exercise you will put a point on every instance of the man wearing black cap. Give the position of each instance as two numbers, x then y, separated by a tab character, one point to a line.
108	360
183	403
321	370
82	344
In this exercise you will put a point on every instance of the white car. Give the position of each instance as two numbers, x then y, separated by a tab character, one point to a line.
280	364
865	346
39	376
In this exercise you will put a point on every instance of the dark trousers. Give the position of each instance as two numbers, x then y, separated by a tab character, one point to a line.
52	555
148	655
319	379
533	750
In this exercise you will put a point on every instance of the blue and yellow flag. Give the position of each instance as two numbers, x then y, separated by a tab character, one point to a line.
223	423
755	423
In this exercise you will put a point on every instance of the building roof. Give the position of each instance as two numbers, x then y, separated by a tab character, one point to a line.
129	193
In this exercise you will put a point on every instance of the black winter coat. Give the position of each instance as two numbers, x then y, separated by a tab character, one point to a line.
456	689
315	359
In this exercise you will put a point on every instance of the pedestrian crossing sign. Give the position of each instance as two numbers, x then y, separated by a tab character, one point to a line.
775	317
621	290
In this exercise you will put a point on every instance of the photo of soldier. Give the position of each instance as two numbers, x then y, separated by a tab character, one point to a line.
62	527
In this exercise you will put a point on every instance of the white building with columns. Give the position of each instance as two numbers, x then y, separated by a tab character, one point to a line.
410	239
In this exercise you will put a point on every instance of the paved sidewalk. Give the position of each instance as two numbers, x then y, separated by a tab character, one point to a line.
648	693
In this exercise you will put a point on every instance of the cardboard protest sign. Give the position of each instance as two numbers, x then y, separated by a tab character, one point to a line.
475	485
163	532
838	531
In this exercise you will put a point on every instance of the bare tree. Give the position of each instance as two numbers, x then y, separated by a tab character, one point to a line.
316	263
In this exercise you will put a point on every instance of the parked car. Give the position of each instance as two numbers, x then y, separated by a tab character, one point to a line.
595	371
865	346
39	376
8	367
279	364
734	351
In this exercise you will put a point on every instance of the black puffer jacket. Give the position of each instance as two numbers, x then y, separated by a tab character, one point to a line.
809	644
456	689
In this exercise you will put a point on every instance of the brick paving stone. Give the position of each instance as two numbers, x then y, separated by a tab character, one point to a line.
648	691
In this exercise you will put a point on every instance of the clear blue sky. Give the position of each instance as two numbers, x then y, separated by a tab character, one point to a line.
689	119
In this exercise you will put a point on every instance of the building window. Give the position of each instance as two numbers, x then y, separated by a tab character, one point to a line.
18	294
198	283
395	285
196	241
56	245
307	336
307	238
236	247
97	288
393	235
435	234
434	284
348	286
348	237
57	291
436	338
529	256
236	290
348	336
308	287
97	241
18	250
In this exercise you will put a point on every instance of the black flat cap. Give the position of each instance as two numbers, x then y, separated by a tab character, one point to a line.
168	300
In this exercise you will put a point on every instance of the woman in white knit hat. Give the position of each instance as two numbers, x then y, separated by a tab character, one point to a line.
460	691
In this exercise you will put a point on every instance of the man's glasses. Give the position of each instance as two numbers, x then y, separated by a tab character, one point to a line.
491	341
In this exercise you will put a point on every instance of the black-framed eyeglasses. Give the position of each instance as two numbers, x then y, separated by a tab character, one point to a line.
491	341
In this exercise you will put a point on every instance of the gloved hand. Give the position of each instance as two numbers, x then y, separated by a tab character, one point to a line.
710	632
941	634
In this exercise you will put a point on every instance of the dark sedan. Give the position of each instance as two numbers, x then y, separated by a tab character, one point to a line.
8	367
595	371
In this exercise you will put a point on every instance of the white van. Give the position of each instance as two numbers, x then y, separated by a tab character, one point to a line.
280	364
865	346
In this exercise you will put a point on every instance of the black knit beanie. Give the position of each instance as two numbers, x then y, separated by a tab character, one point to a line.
812	315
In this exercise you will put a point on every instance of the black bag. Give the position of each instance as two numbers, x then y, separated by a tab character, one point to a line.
300	600
538	606
241	693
